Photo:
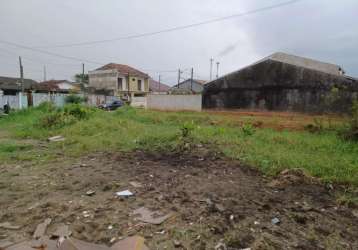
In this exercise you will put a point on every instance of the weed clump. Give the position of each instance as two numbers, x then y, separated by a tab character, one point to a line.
76	99
248	129
350	132
68	115
316	127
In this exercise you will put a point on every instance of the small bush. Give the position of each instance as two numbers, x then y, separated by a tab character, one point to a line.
350	132
316	127
56	120
78	111
46	106
74	99
248	129
186	129
66	116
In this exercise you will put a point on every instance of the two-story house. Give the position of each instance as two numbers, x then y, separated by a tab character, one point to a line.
123	80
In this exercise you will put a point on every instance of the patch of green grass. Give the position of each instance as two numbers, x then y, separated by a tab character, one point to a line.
324	155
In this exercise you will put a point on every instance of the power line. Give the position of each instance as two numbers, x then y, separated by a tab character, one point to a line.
175	28
67	57
49	53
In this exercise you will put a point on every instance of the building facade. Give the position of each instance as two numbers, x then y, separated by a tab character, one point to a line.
122	80
284	82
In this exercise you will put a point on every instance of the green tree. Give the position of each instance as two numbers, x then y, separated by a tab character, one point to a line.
81	78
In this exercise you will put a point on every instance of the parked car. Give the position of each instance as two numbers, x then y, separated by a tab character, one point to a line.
111	105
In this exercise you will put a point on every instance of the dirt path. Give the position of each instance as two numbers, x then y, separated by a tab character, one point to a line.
211	199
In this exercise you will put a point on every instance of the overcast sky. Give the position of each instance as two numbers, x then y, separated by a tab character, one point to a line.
320	29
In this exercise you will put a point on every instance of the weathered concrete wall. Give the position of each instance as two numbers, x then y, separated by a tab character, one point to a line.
275	85
13	101
104	79
175	102
139	102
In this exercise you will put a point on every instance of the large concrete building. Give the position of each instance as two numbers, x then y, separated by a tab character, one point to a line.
284	82
121	80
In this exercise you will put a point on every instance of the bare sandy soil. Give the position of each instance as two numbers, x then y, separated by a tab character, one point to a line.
211	200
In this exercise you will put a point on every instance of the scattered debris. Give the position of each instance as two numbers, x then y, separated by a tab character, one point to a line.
355	213
90	192
5	243
86	214
131	243
125	193
220	208
62	231
176	243
136	184
150	217
41	229
56	138
8	225
74	244
275	221
220	246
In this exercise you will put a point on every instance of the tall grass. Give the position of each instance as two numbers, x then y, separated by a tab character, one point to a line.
324	155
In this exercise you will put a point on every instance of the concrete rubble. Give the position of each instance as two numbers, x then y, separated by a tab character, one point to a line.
60	240
56	138
147	216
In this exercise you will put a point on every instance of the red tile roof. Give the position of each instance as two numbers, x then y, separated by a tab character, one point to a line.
124	69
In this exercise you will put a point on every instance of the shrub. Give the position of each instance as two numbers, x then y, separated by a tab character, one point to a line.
56	119
186	129
74	99
351	130
316	127
80	112
66	116
248	129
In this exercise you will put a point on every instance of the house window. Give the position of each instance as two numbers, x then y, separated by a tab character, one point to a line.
120	84
140	85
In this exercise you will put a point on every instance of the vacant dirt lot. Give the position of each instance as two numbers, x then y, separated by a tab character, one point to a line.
212	199
278	120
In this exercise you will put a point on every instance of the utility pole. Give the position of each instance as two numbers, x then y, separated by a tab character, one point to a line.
159	83
179	76
211	68
217	70
22	82
83	73
191	79
44	73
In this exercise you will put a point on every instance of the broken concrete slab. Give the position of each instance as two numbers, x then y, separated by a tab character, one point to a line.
136	184
5	243
148	216
56	138
62	231
130	243
8	225
41	229
44	243
74	244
